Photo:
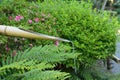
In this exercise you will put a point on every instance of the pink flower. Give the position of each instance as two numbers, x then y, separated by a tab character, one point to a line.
30	21
10	17
7	49
21	17
18	18
36	19
56	43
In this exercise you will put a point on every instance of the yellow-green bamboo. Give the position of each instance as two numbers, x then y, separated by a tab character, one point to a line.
14	31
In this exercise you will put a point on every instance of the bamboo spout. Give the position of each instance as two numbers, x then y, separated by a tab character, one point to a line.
14	31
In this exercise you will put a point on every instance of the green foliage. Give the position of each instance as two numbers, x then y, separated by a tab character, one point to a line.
36	63
43	54
29	11
46	75
10	9
92	32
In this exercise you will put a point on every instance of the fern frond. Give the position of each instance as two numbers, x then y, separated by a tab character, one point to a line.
22	66
35	62
43	54
45	75
26	68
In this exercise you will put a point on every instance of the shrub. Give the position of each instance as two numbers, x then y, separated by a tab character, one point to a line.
92	32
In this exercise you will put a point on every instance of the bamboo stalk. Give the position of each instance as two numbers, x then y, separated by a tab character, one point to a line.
14	31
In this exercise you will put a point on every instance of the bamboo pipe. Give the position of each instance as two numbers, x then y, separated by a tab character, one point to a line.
14	31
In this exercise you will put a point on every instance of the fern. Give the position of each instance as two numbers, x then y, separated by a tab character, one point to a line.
36	64
45	75
42	54
23	66
39	75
